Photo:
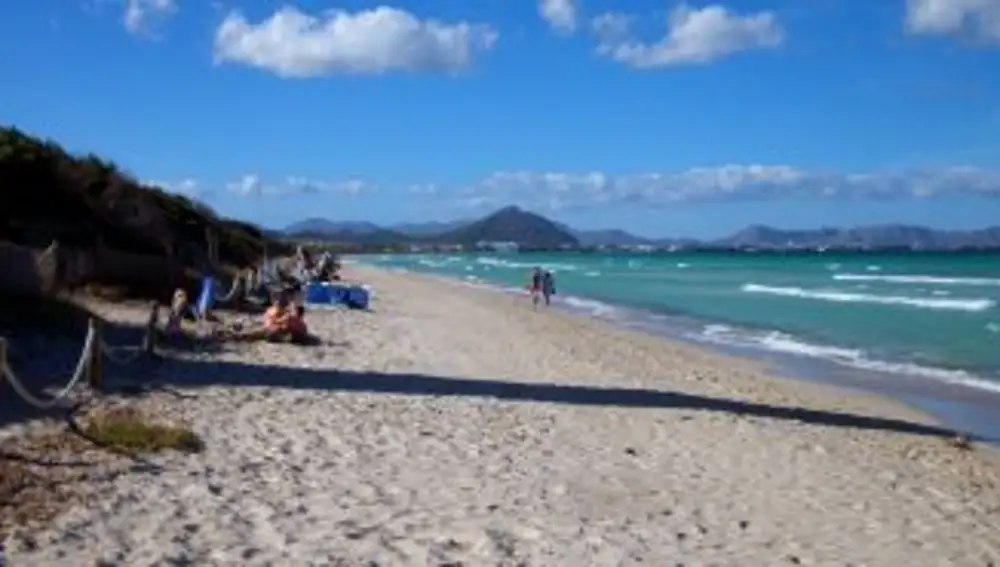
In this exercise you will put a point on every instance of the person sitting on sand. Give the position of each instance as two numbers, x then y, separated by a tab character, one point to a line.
281	322
276	317
296	324
326	269
179	307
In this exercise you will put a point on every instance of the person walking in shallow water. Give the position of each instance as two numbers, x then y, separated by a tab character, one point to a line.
548	286
535	286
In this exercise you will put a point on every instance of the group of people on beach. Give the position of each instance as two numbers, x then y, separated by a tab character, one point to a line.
284	318
542	286
283	321
325	268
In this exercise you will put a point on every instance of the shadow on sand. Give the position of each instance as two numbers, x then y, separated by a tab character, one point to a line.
172	373
43	358
185	374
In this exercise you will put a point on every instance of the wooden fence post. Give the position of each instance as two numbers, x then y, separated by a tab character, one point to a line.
96	358
149	341
212	243
3	359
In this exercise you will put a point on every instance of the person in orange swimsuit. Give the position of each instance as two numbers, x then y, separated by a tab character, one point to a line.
275	320
274	324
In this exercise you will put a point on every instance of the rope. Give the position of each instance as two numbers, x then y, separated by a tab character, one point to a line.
111	352
81	367
232	291
122	360
49	251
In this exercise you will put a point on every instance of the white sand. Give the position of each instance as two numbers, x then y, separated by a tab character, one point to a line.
299	471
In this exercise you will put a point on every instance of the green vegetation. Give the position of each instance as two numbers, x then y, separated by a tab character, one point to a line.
128	430
47	194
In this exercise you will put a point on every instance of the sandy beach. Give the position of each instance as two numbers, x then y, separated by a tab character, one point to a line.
457	426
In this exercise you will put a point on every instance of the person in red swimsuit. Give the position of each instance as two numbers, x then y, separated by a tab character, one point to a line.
297	324
535	286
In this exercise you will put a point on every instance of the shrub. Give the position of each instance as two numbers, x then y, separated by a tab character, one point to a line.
129	430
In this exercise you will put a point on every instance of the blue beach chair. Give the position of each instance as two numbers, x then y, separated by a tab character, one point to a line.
206	298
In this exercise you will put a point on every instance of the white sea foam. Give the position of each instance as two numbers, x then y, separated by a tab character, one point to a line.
427	262
783	343
919	279
495	262
590	306
951	304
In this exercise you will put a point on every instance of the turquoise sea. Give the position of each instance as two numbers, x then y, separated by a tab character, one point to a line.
924	319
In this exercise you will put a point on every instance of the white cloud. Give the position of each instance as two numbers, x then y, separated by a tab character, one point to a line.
294	44
555	190
694	36
978	19
727	182
187	187
560	14
140	13
349	187
612	26
251	185
422	189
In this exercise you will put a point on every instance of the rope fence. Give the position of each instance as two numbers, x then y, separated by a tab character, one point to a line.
96	350
89	366
233	291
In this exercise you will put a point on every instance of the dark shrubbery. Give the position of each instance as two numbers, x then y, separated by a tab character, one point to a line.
86	201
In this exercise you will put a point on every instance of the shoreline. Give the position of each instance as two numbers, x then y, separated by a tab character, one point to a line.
772	370
966	409
739	333
453	425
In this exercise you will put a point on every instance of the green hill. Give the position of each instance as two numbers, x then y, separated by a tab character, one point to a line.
511	224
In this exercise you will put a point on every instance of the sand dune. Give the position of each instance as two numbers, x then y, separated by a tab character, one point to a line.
455	426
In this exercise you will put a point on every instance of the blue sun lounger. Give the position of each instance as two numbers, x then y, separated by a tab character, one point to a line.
334	294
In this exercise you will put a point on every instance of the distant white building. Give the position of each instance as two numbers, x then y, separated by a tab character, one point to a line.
497	246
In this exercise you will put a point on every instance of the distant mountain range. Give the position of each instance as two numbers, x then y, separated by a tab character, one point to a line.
864	237
326	226
527	229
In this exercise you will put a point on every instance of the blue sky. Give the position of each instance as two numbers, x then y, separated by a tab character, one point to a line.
666	118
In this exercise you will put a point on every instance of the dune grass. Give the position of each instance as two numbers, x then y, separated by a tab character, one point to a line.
129	430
